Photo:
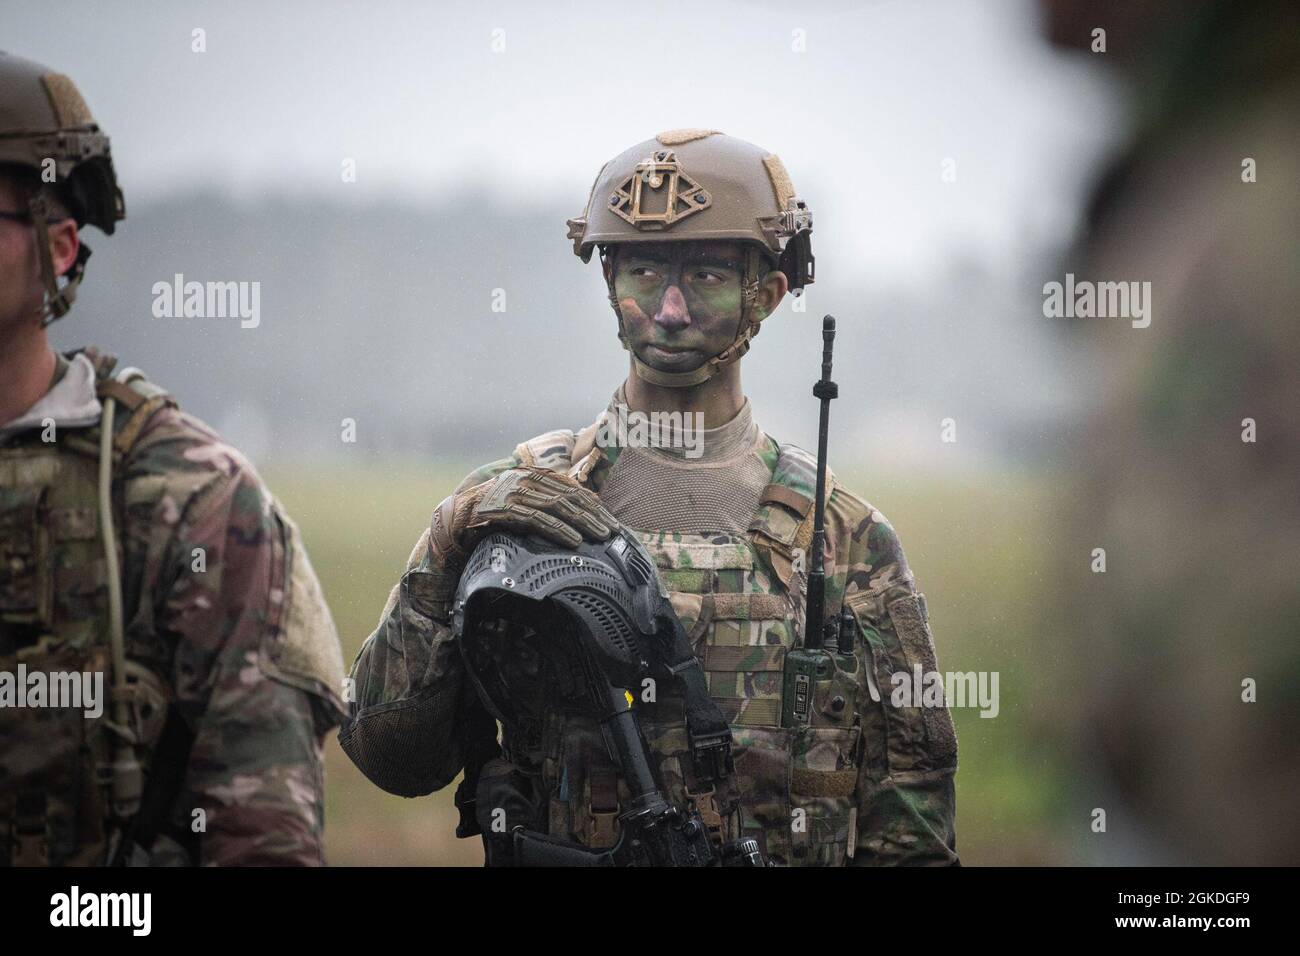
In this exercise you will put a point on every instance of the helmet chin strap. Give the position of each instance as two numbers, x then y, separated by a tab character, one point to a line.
57	300
746	330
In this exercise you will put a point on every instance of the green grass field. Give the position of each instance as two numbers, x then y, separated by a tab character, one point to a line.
974	545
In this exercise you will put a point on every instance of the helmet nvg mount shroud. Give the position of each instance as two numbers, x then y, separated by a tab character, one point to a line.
701	185
45	126
545	629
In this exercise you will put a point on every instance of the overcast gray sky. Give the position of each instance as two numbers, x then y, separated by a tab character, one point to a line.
424	100
937	284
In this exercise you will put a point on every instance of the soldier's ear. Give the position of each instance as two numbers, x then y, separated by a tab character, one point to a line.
64	243
771	290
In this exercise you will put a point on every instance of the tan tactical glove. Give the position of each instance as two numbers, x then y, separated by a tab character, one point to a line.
524	500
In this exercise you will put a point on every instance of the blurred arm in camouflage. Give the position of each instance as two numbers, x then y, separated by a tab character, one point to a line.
257	669
404	730
906	796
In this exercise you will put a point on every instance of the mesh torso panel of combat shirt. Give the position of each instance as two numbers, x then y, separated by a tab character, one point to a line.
661	489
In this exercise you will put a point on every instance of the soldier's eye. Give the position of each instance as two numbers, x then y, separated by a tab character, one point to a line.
707	278
644	272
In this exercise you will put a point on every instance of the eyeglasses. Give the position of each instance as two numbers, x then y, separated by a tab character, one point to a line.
26	217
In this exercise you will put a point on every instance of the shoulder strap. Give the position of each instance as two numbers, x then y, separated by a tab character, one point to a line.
576	453
136	396
480	730
706	726
592	459
784	519
550	450
109	440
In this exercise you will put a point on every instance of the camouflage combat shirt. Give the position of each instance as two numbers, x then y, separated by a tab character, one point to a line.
870	785
221	606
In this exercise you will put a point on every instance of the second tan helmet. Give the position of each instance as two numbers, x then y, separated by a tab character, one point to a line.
46	127
699	185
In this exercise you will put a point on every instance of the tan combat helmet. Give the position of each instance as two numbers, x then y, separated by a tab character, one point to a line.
46	126
699	184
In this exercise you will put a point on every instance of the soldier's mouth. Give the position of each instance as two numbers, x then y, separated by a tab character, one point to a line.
670	354
669	358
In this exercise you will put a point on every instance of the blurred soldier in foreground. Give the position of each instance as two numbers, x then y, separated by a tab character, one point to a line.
168	667
700	236
1188	470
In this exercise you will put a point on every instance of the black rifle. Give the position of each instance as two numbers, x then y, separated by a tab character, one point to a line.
652	832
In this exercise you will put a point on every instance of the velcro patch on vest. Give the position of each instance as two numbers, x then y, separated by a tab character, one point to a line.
669	553
688	580
751	711
821	783
762	657
777	523
783	495
747	607
28	469
745	679
909	618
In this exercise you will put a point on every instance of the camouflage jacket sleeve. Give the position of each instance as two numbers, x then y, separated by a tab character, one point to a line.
257	668
405	729
906	798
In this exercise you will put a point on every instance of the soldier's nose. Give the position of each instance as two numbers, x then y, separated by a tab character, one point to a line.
672	314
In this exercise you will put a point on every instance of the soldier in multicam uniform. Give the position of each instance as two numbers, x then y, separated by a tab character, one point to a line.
136	544
700	236
1198	514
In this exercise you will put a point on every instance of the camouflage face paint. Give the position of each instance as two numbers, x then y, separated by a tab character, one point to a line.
681	302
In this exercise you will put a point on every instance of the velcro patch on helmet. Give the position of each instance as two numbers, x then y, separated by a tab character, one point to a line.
69	108
675	137
781	185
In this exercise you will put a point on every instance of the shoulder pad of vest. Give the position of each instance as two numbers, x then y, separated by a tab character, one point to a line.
550	450
785	515
588	457
796	470
129	386
147	389
137	397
